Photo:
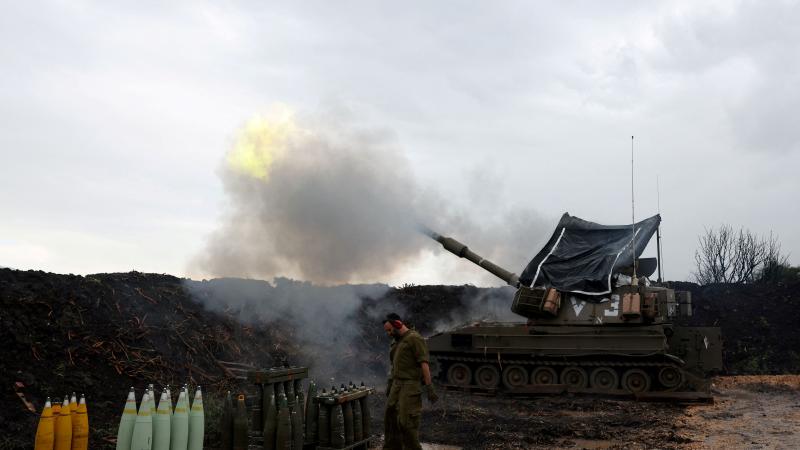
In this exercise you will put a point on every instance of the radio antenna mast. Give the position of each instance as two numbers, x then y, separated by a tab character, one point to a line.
658	230
634	281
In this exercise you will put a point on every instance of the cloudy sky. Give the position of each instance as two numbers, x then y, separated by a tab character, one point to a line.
115	120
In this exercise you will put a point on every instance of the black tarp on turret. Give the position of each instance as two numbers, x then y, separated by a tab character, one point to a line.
581	256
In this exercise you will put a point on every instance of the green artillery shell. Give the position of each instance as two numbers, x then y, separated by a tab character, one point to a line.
348	422
311	414
161	424
226	424
240	425
365	416
337	427
283	437
143	428
358	424
196	422
270	417
297	427
126	422
179	435
278	392
324	424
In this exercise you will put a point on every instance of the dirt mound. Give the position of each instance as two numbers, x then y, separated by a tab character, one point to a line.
758	321
100	334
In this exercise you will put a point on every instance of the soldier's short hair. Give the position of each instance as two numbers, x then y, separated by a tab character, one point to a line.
391	317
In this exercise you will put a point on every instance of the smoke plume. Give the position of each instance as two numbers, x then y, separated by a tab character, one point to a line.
315	201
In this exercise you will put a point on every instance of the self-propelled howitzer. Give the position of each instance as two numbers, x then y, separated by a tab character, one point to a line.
607	331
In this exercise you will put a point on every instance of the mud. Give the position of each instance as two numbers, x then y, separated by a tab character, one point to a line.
753	412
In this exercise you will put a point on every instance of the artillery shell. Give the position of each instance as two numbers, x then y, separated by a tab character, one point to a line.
270	417
358	424
126	422
80	426
337	426
311	414
179	432
240	425
45	431
161	424
348	422
283	437
63	428
143	428
297	426
324	424
226	423
196	422
365	415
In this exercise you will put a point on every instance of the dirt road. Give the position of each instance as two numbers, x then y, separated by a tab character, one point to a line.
752	412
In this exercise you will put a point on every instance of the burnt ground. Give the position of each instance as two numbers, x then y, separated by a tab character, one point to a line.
100	334
753	412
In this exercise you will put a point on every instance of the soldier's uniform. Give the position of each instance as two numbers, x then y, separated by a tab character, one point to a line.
404	406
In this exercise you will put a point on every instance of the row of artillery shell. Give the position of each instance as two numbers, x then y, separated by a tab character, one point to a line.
63	427
343	416
161	428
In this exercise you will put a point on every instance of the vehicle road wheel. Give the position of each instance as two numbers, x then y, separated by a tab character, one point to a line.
515	377
636	380
487	377
459	374
670	377
605	378
574	378
544	375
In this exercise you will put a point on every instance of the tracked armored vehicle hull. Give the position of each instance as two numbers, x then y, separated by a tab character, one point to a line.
522	358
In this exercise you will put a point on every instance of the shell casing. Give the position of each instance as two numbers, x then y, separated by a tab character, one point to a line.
324	424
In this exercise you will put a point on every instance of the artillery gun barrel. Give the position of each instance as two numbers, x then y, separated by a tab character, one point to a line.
462	251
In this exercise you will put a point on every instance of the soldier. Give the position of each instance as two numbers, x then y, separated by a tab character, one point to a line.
410	374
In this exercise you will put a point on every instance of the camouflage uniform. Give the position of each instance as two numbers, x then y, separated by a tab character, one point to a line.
404	407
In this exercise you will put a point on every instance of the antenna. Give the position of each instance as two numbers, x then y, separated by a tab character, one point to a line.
658	230
634	281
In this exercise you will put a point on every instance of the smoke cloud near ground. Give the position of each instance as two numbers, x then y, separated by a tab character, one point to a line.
322	320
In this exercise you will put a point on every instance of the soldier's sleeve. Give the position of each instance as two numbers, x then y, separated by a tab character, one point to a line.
420	350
